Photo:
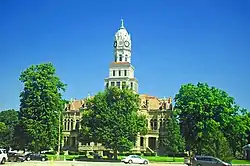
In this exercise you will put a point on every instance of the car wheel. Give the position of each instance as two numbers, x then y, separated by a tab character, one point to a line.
198	165
3	161
28	159
43	159
130	161
145	162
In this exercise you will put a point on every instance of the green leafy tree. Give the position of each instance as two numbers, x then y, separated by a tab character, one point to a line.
4	132
215	143
170	138
41	105
200	107
112	118
10	119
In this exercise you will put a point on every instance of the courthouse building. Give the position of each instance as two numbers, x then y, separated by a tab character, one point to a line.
121	72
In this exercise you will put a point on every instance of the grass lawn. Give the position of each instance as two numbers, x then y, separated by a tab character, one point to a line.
240	162
150	158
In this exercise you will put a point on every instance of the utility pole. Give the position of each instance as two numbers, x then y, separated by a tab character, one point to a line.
59	136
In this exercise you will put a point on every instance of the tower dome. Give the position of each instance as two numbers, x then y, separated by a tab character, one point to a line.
122	38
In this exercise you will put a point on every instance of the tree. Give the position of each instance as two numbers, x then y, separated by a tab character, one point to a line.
170	138
41	105
10	119
112	118
200	107
3	135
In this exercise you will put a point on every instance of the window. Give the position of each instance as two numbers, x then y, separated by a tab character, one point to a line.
125	72
107	85
77	124
118	84
141	141
120	58
131	85
126	58
123	84
64	125
113	72
155	125
72	125
120	73
112	83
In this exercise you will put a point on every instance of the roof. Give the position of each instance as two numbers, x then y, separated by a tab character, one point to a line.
148	102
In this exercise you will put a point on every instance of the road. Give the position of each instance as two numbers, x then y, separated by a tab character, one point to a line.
79	163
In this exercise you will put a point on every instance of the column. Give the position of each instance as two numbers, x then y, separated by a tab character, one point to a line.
70	127
63	141
157	144
67	123
66	141
138	141
145	141
158	123
74	126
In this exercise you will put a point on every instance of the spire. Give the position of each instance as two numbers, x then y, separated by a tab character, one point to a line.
122	24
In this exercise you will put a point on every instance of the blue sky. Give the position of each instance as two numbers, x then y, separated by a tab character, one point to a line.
173	42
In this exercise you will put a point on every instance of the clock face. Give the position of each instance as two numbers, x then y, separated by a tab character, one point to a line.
115	44
127	43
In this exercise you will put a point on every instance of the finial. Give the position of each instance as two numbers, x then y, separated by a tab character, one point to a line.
122	24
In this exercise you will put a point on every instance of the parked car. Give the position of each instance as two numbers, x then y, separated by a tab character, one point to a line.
135	159
15	157
3	156
35	156
207	161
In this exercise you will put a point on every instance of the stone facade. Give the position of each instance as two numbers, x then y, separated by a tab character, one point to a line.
154	108
121	72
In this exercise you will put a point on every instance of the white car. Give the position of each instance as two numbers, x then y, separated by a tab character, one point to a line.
135	159
3	156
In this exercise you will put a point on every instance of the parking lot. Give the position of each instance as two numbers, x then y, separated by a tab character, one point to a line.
78	163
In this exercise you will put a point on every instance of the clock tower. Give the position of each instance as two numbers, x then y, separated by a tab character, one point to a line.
121	71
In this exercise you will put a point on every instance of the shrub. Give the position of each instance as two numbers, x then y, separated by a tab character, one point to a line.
149	154
73	153
51	152
83	153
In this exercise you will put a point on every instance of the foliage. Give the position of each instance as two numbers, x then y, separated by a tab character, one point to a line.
41	105
205	111
170	138
4	132
10	119
112	118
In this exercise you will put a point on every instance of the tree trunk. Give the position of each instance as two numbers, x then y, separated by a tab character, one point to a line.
174	157
115	154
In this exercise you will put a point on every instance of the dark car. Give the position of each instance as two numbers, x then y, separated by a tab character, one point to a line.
15	157
208	161
34	156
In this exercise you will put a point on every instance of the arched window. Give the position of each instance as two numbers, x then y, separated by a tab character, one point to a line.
126	58
77	125
68	125
72	124
120	58
151	124
155	125
65	125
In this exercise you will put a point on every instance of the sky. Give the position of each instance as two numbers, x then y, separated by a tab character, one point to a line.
173	43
